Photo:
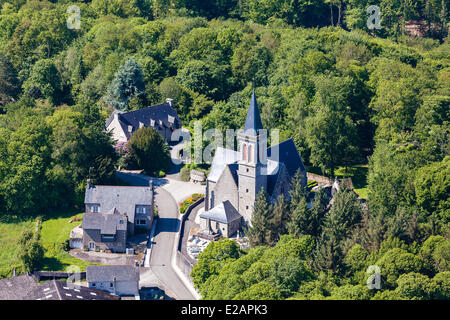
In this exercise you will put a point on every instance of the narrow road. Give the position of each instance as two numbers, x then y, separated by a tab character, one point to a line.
164	239
162	247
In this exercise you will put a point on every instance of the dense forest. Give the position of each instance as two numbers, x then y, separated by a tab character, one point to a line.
346	94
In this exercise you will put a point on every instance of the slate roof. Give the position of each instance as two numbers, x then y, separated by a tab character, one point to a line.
121	198
108	273
157	116
288	154
16	288
253	122
222	157
224	212
59	290
105	222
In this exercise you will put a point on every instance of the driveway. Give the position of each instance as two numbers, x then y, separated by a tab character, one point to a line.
179	190
167	226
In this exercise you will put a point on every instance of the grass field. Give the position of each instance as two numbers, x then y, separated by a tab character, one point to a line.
10	231
54	232
358	173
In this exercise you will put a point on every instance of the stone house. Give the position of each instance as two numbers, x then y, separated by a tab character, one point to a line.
223	219
121	280
163	118
105	232
112	213
136	203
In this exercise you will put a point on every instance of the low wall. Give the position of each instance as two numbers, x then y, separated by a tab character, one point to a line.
322	180
184	263
50	275
184	218
319	179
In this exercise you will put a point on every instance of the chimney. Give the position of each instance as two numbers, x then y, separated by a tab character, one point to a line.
130	129
169	101
88	184
150	184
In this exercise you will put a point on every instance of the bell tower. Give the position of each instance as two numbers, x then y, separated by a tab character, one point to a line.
251	173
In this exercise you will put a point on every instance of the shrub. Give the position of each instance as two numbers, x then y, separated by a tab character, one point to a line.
191	200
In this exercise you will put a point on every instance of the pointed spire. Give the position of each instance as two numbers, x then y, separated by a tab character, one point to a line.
253	121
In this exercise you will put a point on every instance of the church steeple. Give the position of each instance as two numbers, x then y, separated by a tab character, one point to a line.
253	145
253	122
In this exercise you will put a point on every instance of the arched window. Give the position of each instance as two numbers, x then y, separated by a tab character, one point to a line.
250	153
244	152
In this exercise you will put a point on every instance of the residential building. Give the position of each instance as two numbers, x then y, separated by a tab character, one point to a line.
163	118
122	280
105	232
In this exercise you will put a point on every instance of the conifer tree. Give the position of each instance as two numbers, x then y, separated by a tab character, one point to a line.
128	83
258	232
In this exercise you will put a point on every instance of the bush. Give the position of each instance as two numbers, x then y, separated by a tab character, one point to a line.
185	173
191	200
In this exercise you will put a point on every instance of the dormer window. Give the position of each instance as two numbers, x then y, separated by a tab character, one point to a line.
142	209
93	208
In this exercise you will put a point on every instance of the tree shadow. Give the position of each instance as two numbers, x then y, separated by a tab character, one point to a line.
167	225
51	264
154	293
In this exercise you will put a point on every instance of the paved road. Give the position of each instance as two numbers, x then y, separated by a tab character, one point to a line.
162	247
165	235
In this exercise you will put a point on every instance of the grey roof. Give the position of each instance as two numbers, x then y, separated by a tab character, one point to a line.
59	290
224	212
157	116
105	222
287	153
253	122
222	157
108	273
121	198
16	288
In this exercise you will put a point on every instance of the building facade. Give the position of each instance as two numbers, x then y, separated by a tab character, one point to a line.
236	177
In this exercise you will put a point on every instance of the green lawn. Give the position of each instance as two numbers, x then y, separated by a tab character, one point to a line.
10	231
358	173
54	232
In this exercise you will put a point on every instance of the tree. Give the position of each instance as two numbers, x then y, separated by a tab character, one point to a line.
280	218
396	262
432	187
212	259
350	292
413	286
331	134
439	287
149	151
45	78
31	251
259	229
288	274
337	226
128	82
9	86
260	291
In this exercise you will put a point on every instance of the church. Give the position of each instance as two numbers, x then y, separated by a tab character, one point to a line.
236	177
